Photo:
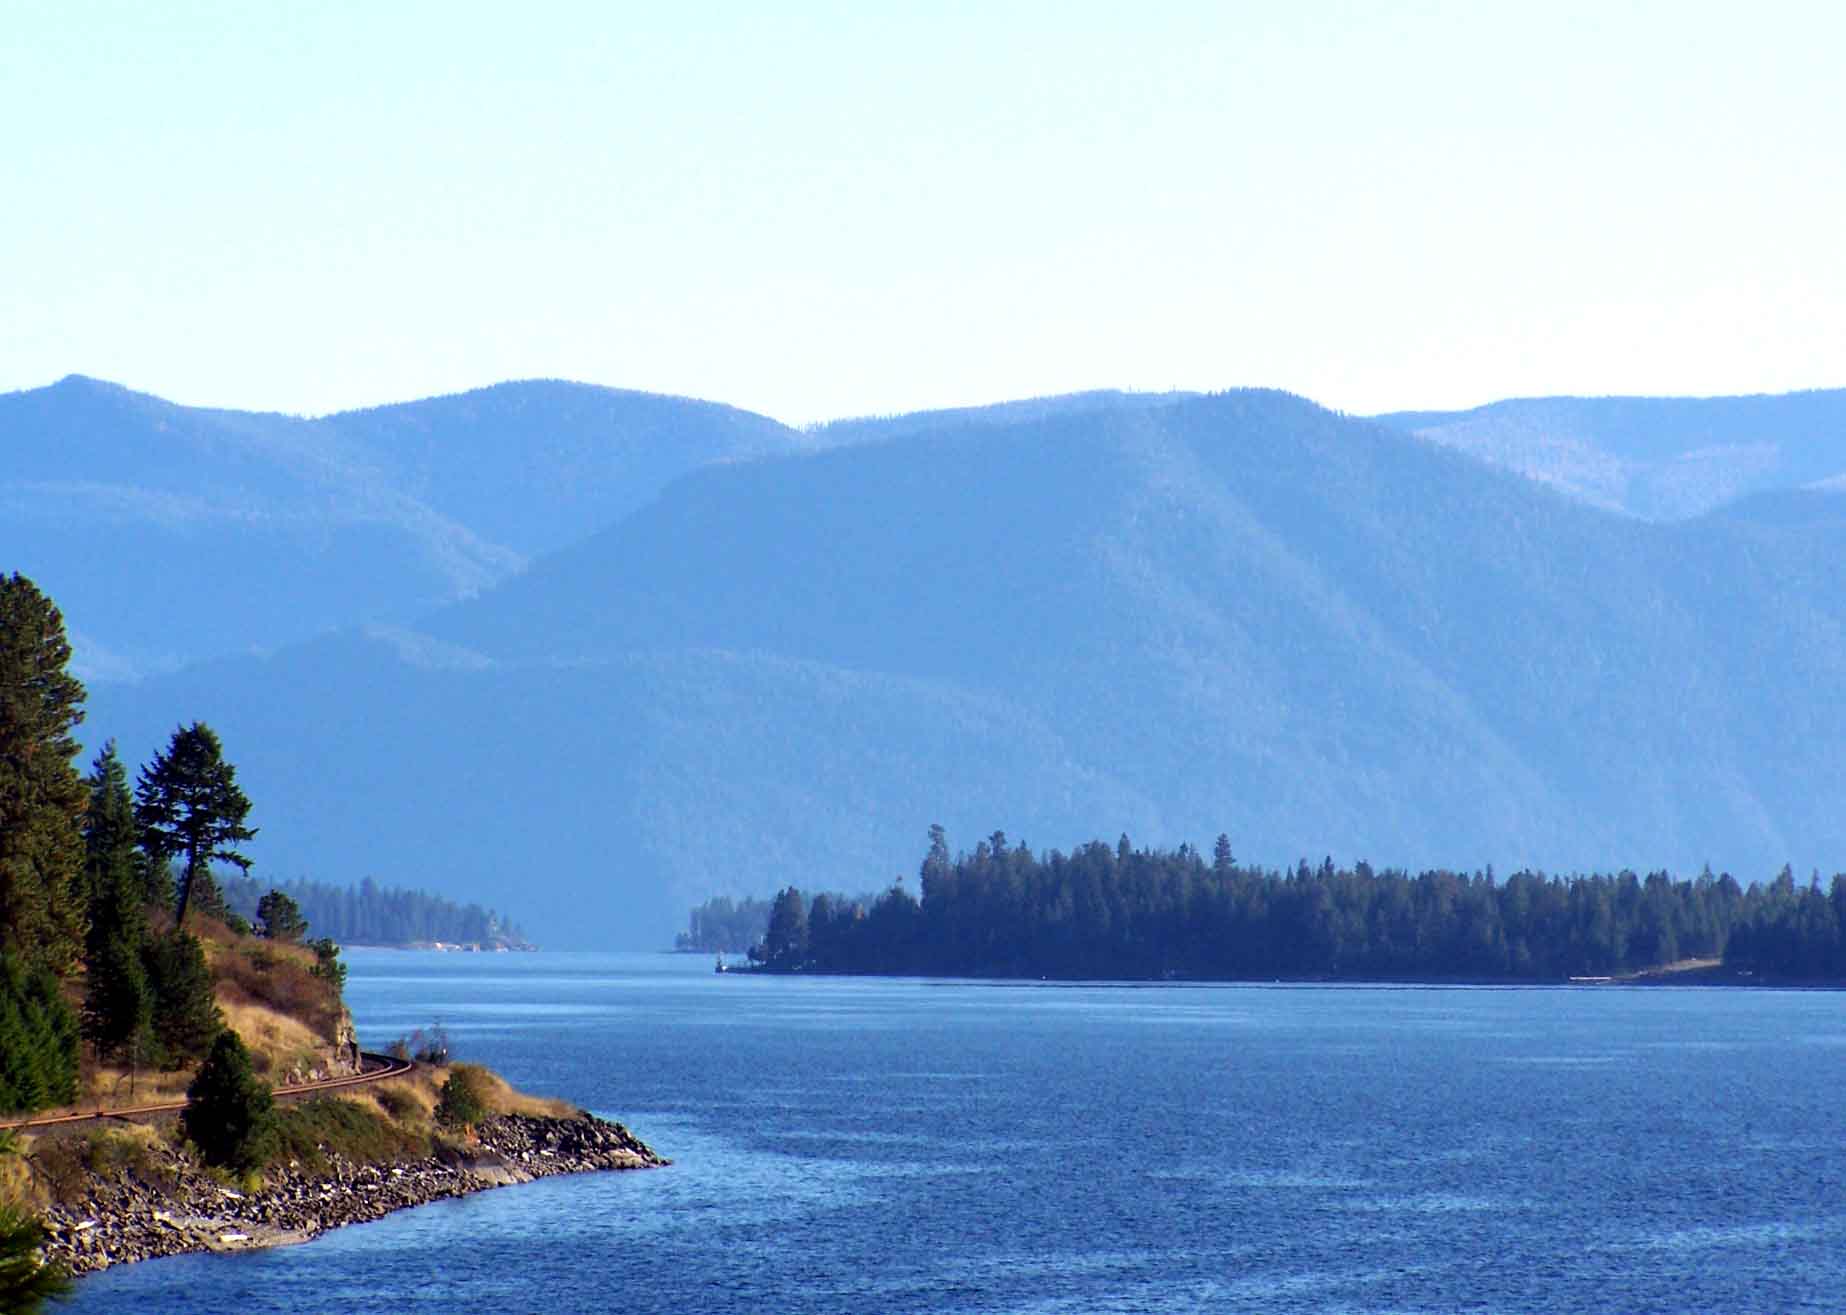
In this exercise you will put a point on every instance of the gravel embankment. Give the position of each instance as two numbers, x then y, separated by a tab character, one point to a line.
177	1207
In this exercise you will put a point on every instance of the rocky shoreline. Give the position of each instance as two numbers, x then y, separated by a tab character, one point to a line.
117	1220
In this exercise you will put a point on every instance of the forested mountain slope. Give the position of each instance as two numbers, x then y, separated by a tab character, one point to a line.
180	533
1238	612
1660	458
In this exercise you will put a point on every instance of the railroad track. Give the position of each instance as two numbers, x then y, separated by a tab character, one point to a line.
373	1068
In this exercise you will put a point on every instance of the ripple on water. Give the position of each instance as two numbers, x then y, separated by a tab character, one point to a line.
1430	1203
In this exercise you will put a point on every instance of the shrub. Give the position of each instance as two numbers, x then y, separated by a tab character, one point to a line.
25	1282
229	1114
327	963
431	1047
60	1167
462	1104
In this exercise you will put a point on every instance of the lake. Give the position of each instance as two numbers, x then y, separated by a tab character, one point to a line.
904	1145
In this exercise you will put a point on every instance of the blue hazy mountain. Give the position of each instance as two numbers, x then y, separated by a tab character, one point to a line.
1660	458
172	534
1167	616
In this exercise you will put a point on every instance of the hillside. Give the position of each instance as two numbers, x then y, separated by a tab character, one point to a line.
1238	613
1659	458
181	533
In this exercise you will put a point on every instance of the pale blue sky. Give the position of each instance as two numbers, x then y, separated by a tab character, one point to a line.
820	210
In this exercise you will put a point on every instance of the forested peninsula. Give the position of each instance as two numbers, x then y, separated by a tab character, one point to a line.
216	1043
1116	911
370	913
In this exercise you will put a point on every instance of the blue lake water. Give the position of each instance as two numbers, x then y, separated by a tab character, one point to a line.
861	1145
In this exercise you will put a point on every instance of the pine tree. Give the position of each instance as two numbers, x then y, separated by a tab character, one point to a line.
41	794
186	1017
785	944
187	803
111	838
229	1114
38	1039
281	917
118	1004
158	888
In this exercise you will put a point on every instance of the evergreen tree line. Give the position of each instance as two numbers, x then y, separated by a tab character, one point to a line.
1120	912
96	880
146	996
722	925
371	914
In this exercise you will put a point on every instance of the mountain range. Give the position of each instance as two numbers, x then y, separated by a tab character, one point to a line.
589	656
172	534
1653	457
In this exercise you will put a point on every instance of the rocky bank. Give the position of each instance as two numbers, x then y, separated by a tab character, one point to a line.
171	1205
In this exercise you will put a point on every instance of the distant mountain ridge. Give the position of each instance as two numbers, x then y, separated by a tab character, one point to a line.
1171	616
185	533
1659	458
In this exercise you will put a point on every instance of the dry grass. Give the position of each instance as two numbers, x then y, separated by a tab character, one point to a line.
63	1165
248	971
415	1095
412	1096
110	1087
16	1174
276	1042
500	1097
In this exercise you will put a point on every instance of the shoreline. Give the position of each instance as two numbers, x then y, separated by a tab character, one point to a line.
122	1218
1730	979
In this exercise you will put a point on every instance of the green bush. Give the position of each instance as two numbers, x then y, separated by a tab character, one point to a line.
462	1105
327	965
25	1282
229	1114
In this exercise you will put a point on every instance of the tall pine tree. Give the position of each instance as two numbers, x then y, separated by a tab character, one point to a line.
41	794
118	1002
186	1017
188	805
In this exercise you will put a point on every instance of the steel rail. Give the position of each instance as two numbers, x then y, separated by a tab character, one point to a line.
383	1066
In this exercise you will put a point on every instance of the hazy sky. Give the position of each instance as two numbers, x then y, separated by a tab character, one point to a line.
821	210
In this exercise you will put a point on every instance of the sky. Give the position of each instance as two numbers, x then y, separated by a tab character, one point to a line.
816	210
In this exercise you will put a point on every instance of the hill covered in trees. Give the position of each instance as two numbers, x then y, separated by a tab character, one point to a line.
1159	615
366	913
1114	911
103	975
1661	458
234	531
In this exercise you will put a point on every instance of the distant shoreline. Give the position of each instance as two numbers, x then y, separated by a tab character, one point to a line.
1660	977
443	947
